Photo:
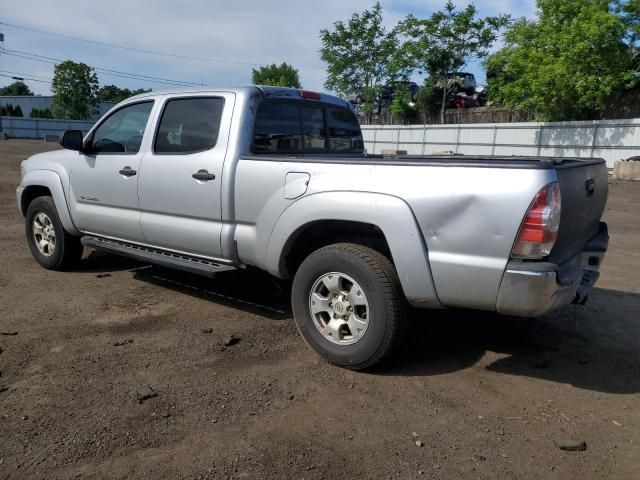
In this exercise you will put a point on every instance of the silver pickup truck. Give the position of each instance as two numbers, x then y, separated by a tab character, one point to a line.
214	180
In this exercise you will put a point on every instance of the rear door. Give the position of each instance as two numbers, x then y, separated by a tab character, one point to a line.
180	182
104	181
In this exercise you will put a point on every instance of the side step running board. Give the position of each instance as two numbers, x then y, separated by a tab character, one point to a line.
157	256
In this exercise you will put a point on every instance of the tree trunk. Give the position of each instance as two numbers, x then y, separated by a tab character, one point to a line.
444	101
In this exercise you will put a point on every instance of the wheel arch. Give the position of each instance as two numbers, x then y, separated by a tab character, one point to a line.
37	183
316	234
382	222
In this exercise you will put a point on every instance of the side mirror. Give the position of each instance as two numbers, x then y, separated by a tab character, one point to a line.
71	140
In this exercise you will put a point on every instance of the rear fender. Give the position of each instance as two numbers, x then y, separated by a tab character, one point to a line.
390	214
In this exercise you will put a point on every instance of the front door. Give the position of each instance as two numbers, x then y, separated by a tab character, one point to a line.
181	175
104	180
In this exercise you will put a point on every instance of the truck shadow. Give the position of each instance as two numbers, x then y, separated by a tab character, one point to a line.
101	262
252	291
596	347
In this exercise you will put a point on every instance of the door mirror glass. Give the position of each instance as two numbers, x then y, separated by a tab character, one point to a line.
71	140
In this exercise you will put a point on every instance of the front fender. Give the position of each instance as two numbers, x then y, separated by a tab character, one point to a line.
390	214
51	180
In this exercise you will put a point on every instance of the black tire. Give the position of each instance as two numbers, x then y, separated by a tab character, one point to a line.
376	275
68	249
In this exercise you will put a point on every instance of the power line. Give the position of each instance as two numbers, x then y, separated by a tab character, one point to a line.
104	71
140	50
150	77
28	74
25	78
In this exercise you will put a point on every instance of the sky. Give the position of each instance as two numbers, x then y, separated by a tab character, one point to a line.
225	39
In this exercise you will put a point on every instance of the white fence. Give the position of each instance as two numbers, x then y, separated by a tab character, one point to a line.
17	127
608	139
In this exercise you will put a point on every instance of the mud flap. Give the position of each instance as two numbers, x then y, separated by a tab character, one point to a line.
589	279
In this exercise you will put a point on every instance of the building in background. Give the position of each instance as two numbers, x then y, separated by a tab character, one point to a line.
41	102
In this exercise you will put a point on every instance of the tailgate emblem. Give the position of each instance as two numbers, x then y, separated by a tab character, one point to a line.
590	186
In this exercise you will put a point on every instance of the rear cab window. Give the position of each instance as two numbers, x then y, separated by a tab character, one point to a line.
277	128
292	127
344	131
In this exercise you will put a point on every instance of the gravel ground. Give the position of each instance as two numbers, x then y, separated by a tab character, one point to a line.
472	395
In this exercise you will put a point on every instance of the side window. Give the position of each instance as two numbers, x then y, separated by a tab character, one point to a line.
122	131
344	131
277	128
189	125
313	130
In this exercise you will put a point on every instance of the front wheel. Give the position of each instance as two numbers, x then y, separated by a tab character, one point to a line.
348	305
51	246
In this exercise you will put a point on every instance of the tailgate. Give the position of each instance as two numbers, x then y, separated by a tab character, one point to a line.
583	186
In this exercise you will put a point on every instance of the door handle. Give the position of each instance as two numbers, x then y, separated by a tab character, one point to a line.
127	172
203	175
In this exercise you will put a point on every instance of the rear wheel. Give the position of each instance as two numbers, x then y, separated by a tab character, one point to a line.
348	305
51	246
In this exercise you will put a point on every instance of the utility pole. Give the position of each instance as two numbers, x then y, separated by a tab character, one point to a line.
1	50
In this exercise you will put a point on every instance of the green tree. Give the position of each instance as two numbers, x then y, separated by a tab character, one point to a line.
74	88
10	111
283	75
446	41
403	106
629	12
362	57
567	63
16	88
112	93
429	97
40	113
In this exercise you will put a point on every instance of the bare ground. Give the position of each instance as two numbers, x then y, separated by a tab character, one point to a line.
487	396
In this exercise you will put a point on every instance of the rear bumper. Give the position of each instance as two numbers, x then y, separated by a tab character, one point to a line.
531	289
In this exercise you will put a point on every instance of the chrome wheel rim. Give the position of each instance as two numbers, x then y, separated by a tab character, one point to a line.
339	308
44	234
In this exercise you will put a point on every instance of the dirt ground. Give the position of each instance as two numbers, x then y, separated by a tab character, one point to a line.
472	395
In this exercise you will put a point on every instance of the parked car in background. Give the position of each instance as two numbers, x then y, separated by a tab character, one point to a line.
212	180
460	82
461	101
390	90
385	98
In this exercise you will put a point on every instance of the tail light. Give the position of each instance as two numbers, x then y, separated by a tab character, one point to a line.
539	228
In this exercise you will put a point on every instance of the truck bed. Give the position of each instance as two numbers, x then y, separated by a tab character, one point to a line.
469	216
